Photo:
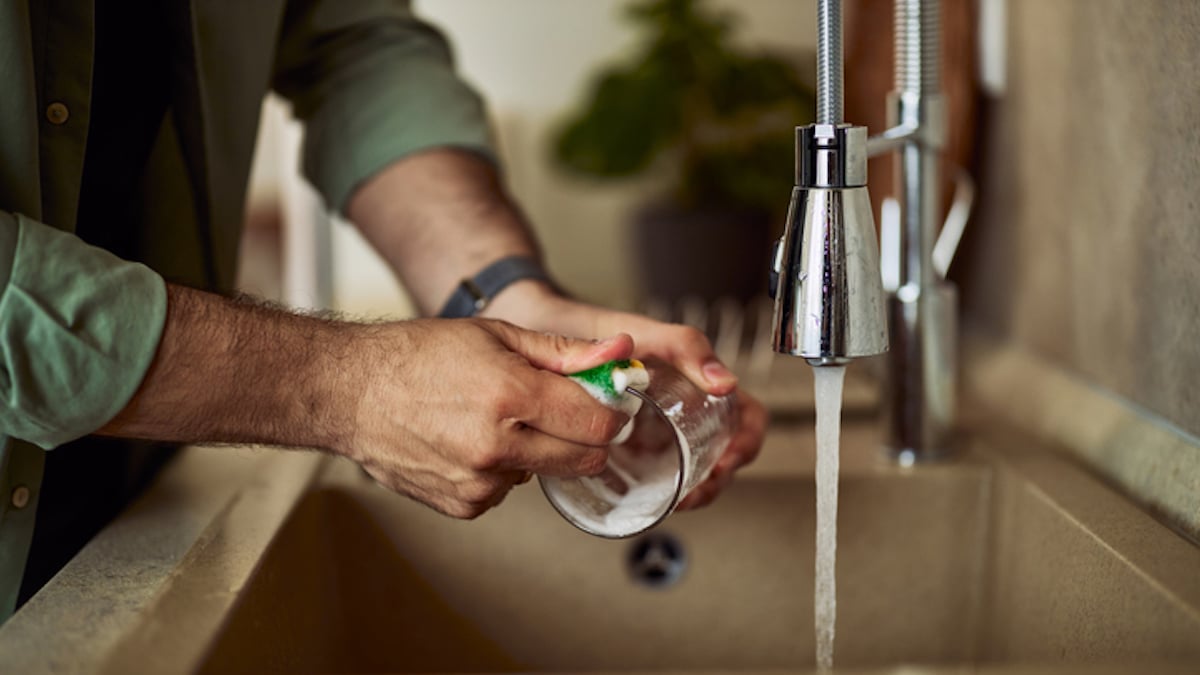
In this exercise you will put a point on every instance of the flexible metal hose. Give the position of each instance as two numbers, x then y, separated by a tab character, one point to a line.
829	62
918	40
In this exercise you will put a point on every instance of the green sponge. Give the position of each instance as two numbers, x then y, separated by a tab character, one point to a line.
607	383
601	378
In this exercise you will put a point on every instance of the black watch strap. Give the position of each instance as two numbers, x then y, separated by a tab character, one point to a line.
472	295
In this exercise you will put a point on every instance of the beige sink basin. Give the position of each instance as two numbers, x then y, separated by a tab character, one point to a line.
1007	558
962	562
520	590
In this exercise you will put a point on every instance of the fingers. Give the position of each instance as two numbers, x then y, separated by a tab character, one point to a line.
748	438
743	448
562	354
535	452
464	497
542	398
687	349
684	346
546	424
561	408
690	351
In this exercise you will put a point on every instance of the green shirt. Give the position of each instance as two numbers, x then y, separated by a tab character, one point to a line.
79	326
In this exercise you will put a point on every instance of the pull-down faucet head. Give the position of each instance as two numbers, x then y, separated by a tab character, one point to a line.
829	305
829	300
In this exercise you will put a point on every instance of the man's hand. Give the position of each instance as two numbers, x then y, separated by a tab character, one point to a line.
454	413
449	412
442	215
534	305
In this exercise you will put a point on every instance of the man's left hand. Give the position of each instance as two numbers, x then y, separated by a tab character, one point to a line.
532	305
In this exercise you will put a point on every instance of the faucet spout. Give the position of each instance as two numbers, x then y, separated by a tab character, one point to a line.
830	305
829	299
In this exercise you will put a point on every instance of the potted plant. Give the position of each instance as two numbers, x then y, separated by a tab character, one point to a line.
717	119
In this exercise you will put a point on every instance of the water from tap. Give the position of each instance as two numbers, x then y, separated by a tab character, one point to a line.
828	390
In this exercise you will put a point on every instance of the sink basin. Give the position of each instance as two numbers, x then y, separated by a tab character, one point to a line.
1008	558
934	567
406	591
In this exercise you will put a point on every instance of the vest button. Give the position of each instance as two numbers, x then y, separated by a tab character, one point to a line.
20	497
57	113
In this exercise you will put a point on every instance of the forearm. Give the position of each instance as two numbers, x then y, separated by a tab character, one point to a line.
232	371
439	216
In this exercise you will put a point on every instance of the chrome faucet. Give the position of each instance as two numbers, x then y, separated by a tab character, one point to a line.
829	292
829	304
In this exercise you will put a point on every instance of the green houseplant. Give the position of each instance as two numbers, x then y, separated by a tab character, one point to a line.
714	117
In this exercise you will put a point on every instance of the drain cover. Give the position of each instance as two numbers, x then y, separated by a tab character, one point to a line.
657	560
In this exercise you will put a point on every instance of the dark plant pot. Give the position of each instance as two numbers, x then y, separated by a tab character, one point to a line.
706	253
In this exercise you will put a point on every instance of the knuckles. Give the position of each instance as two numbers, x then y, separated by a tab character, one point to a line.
476	497
507	401
691	338
488	458
502	401
479	492
560	345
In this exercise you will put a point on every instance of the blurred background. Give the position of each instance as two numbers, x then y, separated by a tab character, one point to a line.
536	62
1077	118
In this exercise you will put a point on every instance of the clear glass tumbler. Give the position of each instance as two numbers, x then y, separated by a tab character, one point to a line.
677	437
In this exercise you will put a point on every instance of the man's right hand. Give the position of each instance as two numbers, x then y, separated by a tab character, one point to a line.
449	412
453	413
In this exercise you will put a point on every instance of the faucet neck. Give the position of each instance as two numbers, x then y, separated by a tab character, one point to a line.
829	62
829	156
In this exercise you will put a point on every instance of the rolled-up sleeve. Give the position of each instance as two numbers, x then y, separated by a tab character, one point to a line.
372	84
79	328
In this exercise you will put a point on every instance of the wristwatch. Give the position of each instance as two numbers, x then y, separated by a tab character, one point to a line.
473	294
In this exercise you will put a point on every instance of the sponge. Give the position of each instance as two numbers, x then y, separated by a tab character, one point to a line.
607	384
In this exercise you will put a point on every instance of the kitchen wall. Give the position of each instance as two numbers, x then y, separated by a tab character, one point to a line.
1086	250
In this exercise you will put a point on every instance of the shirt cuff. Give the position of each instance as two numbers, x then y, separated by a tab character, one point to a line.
79	328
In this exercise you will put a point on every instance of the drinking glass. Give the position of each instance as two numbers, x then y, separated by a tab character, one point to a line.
677	437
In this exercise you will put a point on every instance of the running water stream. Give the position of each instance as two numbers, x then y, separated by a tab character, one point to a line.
828	390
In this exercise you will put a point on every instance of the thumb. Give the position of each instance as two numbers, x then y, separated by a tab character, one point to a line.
564	355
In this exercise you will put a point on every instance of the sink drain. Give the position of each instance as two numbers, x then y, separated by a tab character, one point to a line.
657	560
